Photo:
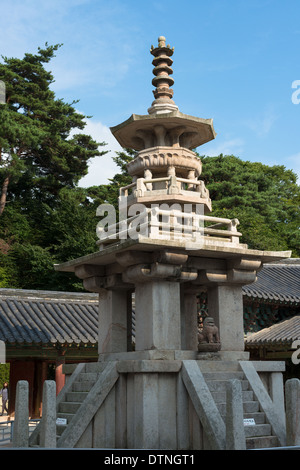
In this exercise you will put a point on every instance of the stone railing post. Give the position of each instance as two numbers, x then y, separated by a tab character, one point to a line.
48	422
233	228
21	430
292	401
235	434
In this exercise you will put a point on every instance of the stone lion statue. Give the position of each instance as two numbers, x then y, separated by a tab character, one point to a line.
210	332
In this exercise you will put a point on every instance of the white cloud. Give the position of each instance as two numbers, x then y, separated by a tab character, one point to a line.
234	146
100	168
97	50
263	122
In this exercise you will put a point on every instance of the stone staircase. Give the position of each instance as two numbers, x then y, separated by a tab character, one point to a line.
77	399
77	393
258	435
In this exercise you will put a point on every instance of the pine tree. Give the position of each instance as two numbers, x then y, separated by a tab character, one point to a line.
39	153
265	199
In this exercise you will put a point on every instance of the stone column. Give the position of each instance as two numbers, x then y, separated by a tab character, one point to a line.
225	305
114	305
112	321
189	321
157	315
224	280
157	277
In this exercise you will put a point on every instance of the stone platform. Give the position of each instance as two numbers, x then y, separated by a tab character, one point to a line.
170	404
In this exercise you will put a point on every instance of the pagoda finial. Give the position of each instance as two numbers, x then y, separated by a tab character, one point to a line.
162	62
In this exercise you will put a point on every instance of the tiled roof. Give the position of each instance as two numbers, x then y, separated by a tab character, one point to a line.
277	282
283	333
42	317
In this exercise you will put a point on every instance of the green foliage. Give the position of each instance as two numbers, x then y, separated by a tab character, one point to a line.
45	217
265	199
39	236
40	151
4	374
110	192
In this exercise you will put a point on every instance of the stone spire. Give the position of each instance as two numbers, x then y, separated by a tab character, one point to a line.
164	125
163	94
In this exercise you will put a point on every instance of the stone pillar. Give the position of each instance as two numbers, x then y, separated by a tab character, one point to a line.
112	321
189	321
235	433
114	304
21	430
152	418
292	400
157	315
48	422
225	305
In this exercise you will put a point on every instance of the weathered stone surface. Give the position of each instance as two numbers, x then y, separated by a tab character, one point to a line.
89	270
235	435
202	129
21	431
89	407
165	157
157	315
292	400
112	321
204	404
48	422
274	415
226	307
154	366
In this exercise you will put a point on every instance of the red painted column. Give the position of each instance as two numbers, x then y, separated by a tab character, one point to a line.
59	376
20	370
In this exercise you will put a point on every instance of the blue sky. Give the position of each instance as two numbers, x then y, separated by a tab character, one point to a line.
235	61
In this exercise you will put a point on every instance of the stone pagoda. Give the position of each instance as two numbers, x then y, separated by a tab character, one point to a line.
152	392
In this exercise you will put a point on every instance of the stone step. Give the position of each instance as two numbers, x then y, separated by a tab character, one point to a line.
95	367
220	397
69	407
225	375
258	430
221	385
74	399
248	406
261	442
67	416
77	396
87	377
219	366
83	386
259	417
60	429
